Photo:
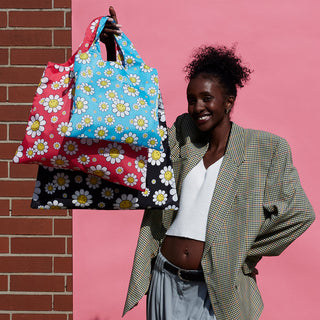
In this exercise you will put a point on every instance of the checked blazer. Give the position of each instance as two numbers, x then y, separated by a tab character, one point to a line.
258	208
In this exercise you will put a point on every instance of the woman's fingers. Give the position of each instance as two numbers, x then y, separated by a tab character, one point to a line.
112	14
111	27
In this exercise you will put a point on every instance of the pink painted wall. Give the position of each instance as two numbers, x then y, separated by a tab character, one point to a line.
280	41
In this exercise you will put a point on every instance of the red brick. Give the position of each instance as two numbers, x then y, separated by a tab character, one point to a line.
25	38
69	52
23	170
3	19
23	4
3	132
63	264
4	56
16	188
25	226
37	283
8	150
36	56
3	94
18	264
38	245
4	245
10	113
25	302
31	316
17	131
62	303
70	316
4	207
62	37
69	283
20	75
68	19
22	208
3	283
62	3
41	19
22	94
63	226
3	169
4	316
69	245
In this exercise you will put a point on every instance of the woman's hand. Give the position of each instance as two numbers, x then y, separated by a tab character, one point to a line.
107	35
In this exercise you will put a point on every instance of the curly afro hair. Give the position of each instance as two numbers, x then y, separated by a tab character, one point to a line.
221	63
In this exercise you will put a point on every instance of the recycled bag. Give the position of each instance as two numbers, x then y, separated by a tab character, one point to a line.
66	189
47	140
114	100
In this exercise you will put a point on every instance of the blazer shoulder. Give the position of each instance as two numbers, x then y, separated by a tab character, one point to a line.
267	141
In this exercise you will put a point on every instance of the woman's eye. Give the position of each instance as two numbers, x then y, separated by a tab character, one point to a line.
207	98
191	101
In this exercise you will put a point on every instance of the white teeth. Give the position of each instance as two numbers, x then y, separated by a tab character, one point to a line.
203	118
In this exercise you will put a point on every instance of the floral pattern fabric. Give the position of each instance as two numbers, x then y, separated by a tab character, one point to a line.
61	189
47	140
115	100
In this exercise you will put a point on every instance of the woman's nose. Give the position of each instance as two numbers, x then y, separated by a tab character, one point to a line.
198	106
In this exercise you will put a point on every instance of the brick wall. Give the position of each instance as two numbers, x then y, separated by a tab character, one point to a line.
35	245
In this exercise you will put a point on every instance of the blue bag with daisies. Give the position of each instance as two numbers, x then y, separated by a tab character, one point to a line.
116	100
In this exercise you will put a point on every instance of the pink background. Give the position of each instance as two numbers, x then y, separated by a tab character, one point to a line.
280	41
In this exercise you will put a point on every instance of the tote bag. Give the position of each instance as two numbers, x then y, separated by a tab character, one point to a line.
61	189
115	100
47	140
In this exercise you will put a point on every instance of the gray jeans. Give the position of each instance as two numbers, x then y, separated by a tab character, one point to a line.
171	298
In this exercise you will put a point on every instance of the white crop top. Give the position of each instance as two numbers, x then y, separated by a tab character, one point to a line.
196	194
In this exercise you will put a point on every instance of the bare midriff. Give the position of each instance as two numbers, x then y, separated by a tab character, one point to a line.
183	252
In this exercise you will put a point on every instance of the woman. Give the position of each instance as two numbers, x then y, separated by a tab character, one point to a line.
240	200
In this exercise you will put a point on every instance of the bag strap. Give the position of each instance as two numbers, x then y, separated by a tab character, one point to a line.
88	39
124	45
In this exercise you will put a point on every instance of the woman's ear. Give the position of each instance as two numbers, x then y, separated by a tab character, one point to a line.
229	103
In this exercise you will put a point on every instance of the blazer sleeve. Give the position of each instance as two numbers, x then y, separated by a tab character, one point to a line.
288	212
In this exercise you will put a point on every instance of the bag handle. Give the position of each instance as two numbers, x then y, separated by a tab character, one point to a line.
88	39
124	45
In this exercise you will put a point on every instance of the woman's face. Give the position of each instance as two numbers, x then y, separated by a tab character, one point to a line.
208	104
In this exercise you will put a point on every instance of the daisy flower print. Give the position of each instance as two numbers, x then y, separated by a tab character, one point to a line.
103	83
99	171
61	181
93	182
125	202
135	79
36	125
160	197
111	95
101	132
114	153
103	106
81	105
156	157
129	138
130	90
53	103
41	147
130	179
70	148
82	198
42	85
140	123
120	108
87	89
83	57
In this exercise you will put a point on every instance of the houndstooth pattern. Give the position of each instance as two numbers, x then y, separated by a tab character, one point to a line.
258	208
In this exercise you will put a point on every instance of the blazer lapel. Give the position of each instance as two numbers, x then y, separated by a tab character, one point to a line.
226	185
